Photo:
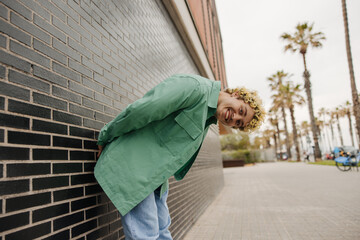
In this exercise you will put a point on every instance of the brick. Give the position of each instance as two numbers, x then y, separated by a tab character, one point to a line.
89	167
100	79
67	142
14	61
50	127
23	202
28	81
90	145
90	46
14	32
7	120
49	76
36	8
2	103
49	28
50	182
14	187
14	153
63	6
93	66
100	233
81	132
53	54
74	25
67	168
14	221
65	28
49	101
92	104
27	169
29	27
84	227
50	212
80	68
102	63
96	211
3	40
93	124
82	155
82	179
78	47
68	220
102	117
34	232
50	154
66	72
102	98
81	111
1	138
68	194
19	8
28	109
59	236
29	54
53	9
83	203
99	44
106	219
62	93
28	138
85	24
111	111
93	189
66	118
66	50
4	12
81	89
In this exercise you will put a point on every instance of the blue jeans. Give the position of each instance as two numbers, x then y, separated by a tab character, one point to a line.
149	220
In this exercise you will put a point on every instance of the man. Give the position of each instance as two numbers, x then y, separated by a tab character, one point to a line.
159	136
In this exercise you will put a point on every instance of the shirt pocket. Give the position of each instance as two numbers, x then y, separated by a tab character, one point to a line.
180	135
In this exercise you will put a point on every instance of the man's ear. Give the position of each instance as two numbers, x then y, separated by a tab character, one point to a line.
235	94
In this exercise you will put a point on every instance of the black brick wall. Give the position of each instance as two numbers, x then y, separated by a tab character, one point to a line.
67	67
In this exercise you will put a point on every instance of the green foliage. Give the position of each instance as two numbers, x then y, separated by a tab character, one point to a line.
234	141
249	156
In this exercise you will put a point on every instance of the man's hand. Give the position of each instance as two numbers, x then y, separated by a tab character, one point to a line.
100	150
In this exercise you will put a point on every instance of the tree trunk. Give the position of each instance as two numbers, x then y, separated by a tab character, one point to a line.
332	133
350	128
280	147
339	129
354	92
311	110
295	135
287	142
276	146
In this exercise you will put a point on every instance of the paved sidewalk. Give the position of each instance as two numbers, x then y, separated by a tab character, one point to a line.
283	201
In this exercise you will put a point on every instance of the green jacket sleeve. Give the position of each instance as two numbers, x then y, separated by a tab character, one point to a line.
174	93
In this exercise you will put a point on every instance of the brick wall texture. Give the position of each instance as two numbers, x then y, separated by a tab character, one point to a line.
67	67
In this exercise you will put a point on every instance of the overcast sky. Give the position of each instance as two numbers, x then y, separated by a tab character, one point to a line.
253	49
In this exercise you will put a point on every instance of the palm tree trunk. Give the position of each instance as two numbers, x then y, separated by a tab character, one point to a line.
286	133
339	129
278	133
307	86
275	143
332	133
295	135
354	92
350	128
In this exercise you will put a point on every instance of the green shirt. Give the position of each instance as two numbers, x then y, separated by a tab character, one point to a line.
154	138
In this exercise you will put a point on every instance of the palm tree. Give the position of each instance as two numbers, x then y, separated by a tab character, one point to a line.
299	41
322	113
278	101
305	128
346	110
354	92
292	97
337	113
274	121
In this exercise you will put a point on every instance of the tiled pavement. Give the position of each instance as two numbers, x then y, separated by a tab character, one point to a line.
283	201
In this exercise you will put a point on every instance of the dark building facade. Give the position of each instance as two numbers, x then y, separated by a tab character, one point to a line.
67	67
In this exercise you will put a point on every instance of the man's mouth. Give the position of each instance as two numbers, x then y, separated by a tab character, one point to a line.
227	115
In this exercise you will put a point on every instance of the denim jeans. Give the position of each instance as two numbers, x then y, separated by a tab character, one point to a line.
149	220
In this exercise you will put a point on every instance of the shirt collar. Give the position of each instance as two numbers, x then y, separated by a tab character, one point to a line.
214	94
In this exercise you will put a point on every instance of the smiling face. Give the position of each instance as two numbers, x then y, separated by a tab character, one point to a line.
233	112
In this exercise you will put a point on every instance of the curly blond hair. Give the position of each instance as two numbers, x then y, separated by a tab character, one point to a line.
251	98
